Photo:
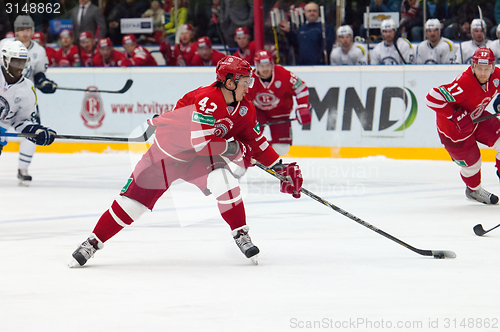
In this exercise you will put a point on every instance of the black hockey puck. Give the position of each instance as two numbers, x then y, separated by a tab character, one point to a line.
439	256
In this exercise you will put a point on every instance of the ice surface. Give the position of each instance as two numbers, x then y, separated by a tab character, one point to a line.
178	269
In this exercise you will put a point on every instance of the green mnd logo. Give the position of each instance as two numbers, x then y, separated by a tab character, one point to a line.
413	112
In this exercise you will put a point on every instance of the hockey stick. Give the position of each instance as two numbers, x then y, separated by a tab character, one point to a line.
125	88
276	45
435	253
139	139
479	230
221	36
484	118
368	34
277	122
323	33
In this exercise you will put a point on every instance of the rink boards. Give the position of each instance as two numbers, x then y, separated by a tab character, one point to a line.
357	111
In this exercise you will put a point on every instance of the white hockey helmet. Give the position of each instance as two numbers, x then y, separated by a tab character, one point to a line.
433	24
477	23
13	49
498	29
24	21
388	24
344	30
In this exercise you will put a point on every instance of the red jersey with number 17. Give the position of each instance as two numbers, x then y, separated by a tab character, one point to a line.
189	130
464	93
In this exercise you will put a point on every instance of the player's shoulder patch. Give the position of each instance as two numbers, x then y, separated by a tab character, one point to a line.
361	48
446	94
449	44
406	40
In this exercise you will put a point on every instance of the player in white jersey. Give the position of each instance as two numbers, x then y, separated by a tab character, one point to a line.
349	52
18	97
435	49
468	48
390	52
35	71
495	46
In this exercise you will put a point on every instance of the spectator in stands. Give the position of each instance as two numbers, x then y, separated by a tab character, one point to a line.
308	40
4	21
468	48
39	37
458	26
178	17
202	15
206	56
410	24
392	51
67	55
138	55
246	48
109	57
158	16
88	17
186	48
124	9
379	6
87	49
494	29
235	14
435	49
495	45
349	52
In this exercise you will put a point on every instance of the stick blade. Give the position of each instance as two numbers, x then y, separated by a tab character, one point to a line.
440	254
127	86
479	230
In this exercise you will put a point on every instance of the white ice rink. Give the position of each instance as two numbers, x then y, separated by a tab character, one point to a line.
178	269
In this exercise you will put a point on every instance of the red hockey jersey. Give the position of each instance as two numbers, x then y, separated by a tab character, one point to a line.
68	58
183	55
275	97
118	59
464	93
216	56
141	57
52	56
248	54
189	130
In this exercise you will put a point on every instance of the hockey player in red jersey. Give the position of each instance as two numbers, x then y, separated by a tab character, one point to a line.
206	55
246	48
208	127
185	50
109	57
39	37
138	55
457	104
272	95
67	55
87	49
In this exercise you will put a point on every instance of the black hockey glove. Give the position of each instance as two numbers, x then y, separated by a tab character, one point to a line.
45	85
44	136
496	104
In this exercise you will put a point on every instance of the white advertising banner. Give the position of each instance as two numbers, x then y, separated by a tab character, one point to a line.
136	25
352	106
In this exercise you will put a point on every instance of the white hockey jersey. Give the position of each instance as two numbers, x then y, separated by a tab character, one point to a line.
355	56
444	52
38	60
389	55
467	49
495	47
17	103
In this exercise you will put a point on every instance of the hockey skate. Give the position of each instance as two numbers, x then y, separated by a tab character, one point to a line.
24	177
244	242
481	196
85	251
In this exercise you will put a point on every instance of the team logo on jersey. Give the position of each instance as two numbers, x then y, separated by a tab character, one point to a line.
495	82
4	108
92	111
266	101
243	110
230	109
277	84
17	100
